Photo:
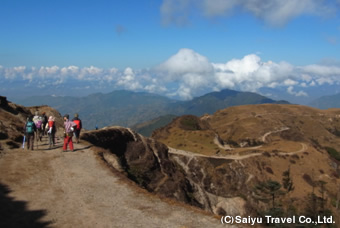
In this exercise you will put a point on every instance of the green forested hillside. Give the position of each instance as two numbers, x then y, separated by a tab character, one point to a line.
126	108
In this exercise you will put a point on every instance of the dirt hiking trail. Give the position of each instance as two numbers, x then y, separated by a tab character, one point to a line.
51	188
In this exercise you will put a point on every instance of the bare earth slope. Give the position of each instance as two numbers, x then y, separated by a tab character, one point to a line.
49	188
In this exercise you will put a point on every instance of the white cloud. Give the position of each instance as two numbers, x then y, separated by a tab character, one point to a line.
70	70
185	74
289	82
48	71
175	11
273	12
186	61
301	93
128	80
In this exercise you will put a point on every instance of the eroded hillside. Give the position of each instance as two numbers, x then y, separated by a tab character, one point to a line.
233	151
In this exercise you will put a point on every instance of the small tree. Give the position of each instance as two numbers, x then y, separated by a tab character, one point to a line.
268	190
287	181
322	191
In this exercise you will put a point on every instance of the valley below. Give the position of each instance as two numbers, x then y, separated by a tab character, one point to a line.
251	160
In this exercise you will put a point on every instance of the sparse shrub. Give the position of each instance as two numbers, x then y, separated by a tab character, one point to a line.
190	123
306	153
269	170
315	142
258	166
232	142
19	139
335	132
336	175
308	179
292	161
3	136
321	171
267	154
221	212
12	145
333	153
295	156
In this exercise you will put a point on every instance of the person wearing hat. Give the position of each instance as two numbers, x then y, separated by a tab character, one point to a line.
51	130
37	119
68	134
77	121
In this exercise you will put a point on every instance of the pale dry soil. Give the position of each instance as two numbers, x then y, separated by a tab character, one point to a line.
76	189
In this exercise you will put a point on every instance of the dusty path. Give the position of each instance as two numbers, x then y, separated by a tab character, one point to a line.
304	148
74	189
263	139
237	156
226	157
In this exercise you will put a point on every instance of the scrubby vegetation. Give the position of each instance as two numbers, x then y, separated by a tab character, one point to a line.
333	153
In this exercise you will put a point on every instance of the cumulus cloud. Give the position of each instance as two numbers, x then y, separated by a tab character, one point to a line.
301	93
274	12
193	73
184	75
128	80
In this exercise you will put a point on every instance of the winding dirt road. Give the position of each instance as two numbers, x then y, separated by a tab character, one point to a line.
49	188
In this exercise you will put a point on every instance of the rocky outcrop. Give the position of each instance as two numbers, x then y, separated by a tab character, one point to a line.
3	101
218	184
211	184
144	160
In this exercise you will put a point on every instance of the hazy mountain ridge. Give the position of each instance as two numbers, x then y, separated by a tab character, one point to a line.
125	108
325	102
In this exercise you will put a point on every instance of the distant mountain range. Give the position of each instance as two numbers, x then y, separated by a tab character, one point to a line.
126	108
326	102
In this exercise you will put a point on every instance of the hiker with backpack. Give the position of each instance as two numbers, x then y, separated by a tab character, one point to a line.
77	121
68	134
44	123
38	124
30	128
51	130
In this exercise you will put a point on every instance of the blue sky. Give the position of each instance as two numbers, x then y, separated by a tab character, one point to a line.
158	45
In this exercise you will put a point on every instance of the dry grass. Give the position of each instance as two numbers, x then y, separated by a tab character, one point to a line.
292	149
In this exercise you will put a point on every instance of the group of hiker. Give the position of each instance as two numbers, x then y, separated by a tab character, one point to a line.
39	125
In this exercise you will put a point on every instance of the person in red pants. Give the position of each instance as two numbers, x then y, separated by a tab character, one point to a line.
68	134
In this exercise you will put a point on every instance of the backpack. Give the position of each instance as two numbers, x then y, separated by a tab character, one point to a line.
49	125
38	124
38	120
29	127
78	124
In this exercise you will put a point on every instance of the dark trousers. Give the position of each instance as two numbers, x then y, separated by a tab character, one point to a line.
30	141
51	139
77	134
38	134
